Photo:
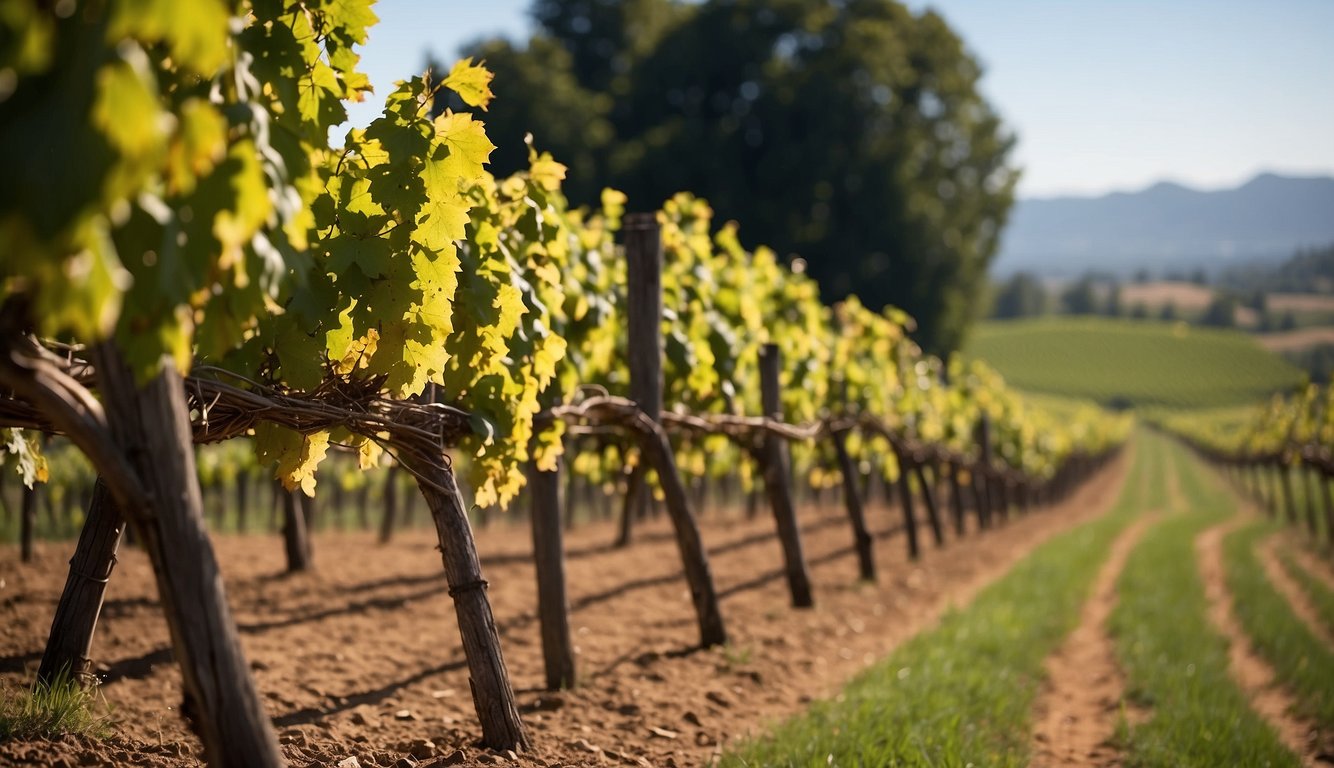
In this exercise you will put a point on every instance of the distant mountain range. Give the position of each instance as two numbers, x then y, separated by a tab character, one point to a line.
1169	227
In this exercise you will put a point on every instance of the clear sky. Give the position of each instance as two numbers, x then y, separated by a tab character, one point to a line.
1103	94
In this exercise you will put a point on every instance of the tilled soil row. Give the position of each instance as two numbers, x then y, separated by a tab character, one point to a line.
1255	676
1078	708
361	658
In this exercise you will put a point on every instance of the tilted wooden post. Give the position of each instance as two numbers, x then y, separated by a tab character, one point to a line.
905	498
852	498
929	497
643	274
71	638
492	694
151	424
777	483
553	607
643	247
657	451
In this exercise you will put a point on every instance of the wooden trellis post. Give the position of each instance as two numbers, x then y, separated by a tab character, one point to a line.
643	247
777	482
71	637
553	607
851	497
492	693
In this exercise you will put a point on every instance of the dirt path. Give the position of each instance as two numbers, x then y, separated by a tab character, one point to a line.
1076	713
1248	668
361	659
1292	591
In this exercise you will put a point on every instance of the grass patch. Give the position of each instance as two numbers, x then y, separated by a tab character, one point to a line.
1300	660
1320	595
962	693
1176	665
1129	362
62	707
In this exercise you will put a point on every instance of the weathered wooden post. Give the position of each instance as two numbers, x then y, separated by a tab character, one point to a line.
777	483
151	425
909	512
71	637
643	246
1308	477
296	532
390	503
983	484
1289	498
851	498
953	469
492	693
28	522
553	607
643	261
929	497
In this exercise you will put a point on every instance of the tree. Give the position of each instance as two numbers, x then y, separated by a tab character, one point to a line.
1114	307
853	135
1079	298
1169	312
1021	296
1221	312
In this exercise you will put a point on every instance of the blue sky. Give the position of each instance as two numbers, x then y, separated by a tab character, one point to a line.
1103	94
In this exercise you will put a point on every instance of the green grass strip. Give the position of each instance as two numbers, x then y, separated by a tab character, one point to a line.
1322	599
962	693
63	707
1300	660
1176	665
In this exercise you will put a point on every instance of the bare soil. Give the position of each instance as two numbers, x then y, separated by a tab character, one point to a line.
1077	711
1293	341
1249	669
362	659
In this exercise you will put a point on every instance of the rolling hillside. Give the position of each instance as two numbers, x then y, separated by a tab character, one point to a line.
1125	362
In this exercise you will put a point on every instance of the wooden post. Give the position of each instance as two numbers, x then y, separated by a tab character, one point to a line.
856	514
776	482
1308	475
28	522
952	469
643	261
296	533
242	500
71	637
929	496
909	513
657	450
1329	507
1289	499
553	608
390	501
151	425
492	694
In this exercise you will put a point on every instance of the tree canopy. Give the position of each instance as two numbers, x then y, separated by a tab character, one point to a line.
851	134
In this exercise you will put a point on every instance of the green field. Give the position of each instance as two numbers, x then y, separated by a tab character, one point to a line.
1129	362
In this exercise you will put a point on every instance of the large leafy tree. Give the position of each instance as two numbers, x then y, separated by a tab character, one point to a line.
852	134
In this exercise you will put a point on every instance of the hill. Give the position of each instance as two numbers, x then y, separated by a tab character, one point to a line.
1126	362
1169	227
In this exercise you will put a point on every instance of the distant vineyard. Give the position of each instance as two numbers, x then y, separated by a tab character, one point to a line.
1122	362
